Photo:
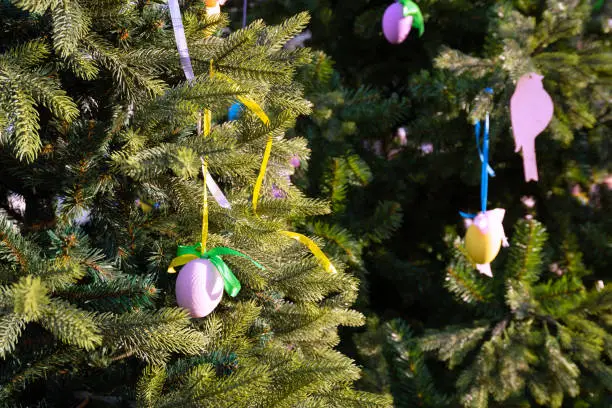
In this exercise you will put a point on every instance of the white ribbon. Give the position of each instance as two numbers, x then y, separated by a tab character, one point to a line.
181	46
216	192
181	41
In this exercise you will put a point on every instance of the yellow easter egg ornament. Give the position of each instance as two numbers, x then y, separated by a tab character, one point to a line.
484	237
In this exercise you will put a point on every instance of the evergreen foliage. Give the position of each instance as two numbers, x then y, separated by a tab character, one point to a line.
536	340
340	170
394	362
105	124
441	78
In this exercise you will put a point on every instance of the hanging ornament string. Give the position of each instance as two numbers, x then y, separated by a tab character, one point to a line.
490	170
486	170
186	254
207	122
207	127
484	175
204	207
208	112
181	40
489	91
262	173
244	13
183	51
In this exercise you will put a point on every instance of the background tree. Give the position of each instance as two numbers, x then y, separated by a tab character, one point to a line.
100	143
341	170
442	76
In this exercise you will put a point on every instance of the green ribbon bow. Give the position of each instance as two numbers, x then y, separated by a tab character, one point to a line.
598	5
187	253
411	9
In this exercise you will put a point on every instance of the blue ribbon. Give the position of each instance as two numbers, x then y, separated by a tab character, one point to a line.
484	175
486	169
486	136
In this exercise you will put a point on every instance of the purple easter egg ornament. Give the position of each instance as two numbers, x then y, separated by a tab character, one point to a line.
395	26
199	287
295	161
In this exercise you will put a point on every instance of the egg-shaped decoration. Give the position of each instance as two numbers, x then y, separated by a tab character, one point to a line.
484	237
199	287
395	26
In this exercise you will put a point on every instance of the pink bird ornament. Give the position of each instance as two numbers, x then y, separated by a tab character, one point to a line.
531	110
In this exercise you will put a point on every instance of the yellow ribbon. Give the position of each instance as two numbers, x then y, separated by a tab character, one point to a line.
255	108
207	122
262	173
208	112
259	112
180	261
324	260
204	207
207	128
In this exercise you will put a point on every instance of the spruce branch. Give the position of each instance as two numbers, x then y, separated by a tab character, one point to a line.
150	386
13	247
524	257
71	325
275	37
70	25
11	326
26	126
151	337
453	344
30	297
133	79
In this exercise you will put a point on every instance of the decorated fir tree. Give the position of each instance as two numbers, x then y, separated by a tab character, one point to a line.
103	141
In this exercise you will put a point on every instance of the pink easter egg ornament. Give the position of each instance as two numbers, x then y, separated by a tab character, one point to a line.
199	287
399	18
396	27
